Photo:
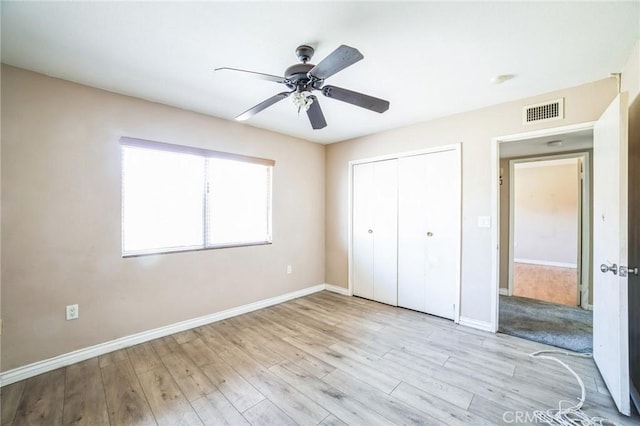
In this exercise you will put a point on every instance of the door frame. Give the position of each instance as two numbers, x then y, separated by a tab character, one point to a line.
495	200
583	219
457	147
633	244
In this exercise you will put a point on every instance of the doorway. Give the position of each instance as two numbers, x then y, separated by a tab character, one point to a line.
546	222
614	329
544	210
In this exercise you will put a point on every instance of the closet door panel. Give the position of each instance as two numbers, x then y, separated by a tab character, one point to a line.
385	232
443	224
412	229
429	232
362	209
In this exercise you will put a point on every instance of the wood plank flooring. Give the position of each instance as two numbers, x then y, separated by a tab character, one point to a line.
324	359
548	283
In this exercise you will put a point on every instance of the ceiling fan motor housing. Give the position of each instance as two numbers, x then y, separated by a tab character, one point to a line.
297	75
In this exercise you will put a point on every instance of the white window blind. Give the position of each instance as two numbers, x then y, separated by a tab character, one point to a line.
178	198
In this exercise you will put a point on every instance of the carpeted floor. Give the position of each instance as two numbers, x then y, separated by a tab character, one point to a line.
557	325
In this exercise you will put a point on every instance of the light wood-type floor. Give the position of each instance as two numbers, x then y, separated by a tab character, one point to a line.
548	283
321	359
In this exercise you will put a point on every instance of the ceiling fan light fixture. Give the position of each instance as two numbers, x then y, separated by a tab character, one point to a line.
302	100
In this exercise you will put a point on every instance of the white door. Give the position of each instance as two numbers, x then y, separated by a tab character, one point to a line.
363	194
413	203
429	232
610	303
375	231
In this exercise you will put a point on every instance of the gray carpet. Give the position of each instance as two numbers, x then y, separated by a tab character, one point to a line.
557	325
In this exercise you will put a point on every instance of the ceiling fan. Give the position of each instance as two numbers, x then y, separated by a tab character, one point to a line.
302	79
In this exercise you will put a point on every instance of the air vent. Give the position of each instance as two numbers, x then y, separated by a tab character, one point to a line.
546	111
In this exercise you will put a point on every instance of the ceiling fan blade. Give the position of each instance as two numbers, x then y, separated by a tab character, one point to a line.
355	98
337	60
316	117
262	106
259	75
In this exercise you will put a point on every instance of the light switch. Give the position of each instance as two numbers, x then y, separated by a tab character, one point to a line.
484	221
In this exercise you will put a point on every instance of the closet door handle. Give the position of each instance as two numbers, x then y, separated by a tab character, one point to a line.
429	234
370	231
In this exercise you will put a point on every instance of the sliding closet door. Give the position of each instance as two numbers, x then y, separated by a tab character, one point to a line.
385	232
413	205
363	199
375	231
429	232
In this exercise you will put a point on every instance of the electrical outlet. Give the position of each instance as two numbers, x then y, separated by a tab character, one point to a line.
72	312
289	269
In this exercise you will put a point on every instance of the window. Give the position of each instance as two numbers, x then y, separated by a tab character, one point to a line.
177	198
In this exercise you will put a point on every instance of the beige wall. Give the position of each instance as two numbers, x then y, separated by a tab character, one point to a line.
475	129
631	74
546	211
61	220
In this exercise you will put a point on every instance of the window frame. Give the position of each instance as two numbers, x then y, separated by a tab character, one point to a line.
205	153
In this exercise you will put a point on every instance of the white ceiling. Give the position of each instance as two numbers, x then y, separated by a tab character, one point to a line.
575	141
429	59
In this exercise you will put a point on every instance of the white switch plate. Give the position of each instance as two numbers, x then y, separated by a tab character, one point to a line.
72	312
484	221
289	269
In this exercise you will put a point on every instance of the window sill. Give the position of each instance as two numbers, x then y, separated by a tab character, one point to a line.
185	250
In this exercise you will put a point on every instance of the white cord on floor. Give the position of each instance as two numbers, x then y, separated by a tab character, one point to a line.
571	415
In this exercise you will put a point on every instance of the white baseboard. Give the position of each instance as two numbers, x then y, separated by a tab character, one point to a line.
473	323
39	367
504	292
546	263
337	289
